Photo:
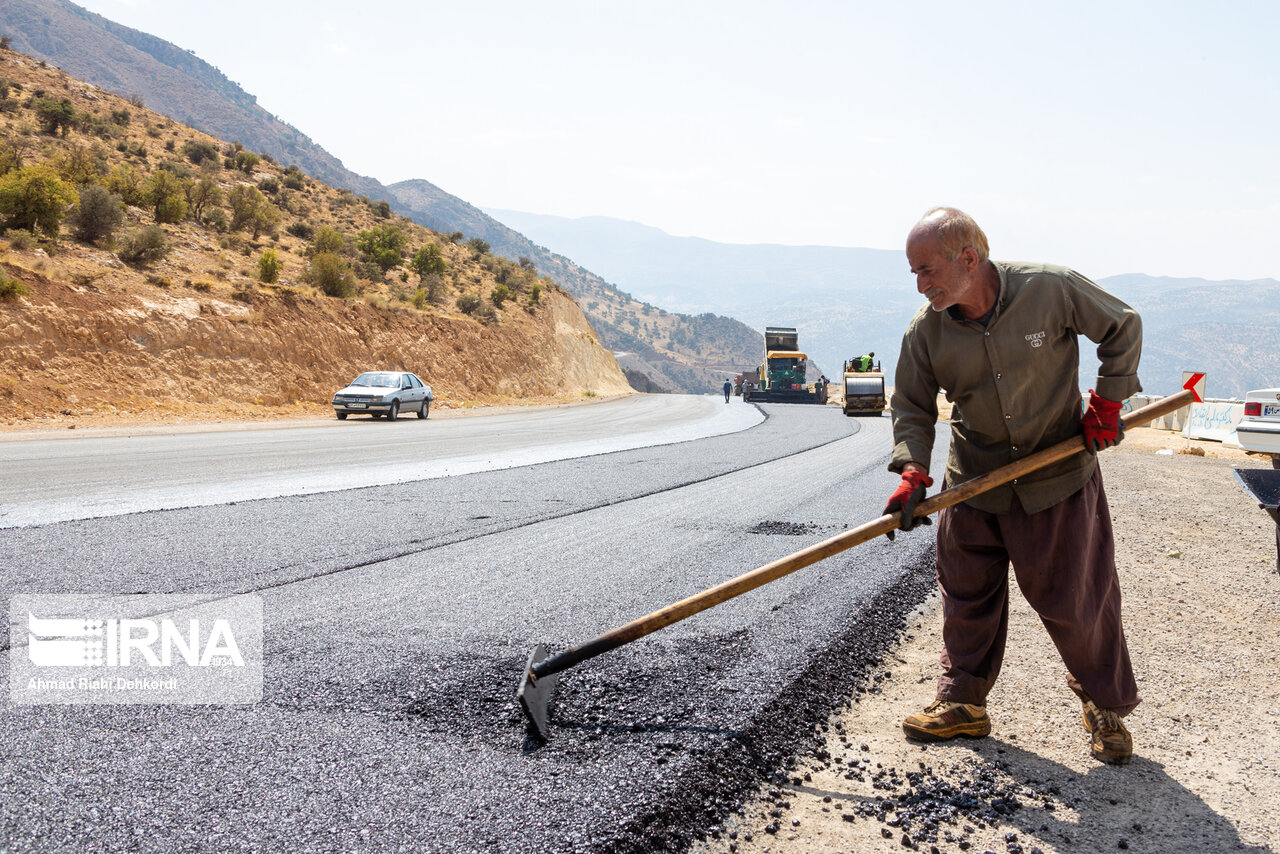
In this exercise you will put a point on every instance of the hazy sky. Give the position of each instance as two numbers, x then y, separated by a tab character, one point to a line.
1113	137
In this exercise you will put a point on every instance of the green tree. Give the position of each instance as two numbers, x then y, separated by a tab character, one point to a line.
99	213
331	273
11	288
294	179
200	152
478	246
251	211
383	245
126	183
301	229
246	161
202	195
499	295
57	117
535	293
329	240
268	266
216	218
167	195
81	164
35	197
265	219
428	261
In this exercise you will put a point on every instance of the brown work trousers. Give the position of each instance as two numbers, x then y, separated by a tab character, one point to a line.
1064	561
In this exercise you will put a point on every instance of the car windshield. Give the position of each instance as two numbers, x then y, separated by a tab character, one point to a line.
378	379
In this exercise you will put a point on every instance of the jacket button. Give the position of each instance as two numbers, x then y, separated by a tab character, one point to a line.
998	376
1008	418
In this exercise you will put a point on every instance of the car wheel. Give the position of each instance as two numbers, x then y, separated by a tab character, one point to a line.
394	412
422	411
342	416
377	416
1275	461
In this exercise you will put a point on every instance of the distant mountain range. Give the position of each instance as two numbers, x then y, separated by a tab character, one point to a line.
673	334
666	350
849	301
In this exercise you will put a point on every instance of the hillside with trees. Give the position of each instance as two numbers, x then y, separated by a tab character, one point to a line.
148	268
676	351
153	72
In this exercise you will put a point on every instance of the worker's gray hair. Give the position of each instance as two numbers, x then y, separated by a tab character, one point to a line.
956	231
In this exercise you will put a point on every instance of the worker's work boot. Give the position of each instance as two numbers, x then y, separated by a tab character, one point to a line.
943	720
1110	742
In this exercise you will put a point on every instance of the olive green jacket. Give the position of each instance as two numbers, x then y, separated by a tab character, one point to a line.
1013	383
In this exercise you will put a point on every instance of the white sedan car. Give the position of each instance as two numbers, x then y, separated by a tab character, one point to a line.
1259	429
380	393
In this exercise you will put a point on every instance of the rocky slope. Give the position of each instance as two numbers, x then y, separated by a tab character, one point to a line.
198	332
661	350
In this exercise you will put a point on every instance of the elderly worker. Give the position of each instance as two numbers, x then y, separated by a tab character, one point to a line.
1000	339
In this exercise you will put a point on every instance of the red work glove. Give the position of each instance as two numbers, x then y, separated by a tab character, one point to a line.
905	498
1101	423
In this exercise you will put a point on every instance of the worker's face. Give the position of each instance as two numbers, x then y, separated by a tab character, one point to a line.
942	281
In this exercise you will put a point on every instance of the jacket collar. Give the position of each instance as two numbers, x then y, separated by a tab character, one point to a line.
1002	299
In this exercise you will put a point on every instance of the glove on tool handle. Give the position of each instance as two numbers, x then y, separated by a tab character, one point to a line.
1101	423
909	493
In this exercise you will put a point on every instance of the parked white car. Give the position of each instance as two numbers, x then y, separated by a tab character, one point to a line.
1259	429
380	393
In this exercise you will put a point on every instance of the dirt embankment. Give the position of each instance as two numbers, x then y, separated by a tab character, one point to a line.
98	347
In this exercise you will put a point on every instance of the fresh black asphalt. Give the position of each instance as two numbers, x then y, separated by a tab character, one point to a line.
398	620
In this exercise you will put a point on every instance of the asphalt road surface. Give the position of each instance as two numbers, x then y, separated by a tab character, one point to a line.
397	622
56	478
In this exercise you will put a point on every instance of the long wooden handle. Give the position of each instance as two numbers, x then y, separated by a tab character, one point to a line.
748	581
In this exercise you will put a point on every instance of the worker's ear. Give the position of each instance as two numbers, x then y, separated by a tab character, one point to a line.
969	257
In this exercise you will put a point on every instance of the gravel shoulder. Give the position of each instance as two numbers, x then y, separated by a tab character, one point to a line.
1197	562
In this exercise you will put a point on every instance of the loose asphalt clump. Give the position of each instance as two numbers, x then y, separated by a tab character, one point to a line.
928	808
923	809
783	529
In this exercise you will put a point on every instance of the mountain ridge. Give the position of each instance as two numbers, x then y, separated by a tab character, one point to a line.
1231	328
177	83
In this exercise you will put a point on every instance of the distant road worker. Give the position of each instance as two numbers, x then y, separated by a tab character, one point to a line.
867	362
728	390
1001	338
